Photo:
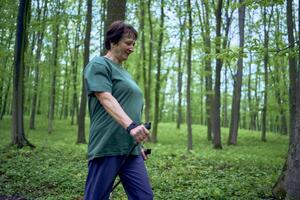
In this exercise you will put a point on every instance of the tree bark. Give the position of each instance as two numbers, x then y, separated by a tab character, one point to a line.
17	132
208	69
225	103
158	73
116	10
37	64
143	52
4	93
74	64
189	78
235	113
288	183
54	69
179	75
266	74
216	128
149	73
82	110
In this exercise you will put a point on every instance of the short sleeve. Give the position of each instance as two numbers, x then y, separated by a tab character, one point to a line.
97	78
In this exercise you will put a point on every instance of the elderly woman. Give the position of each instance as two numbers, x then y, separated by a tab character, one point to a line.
115	107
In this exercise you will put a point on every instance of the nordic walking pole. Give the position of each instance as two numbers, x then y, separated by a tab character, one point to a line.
148	151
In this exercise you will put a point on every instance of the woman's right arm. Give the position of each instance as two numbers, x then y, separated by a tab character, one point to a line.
112	107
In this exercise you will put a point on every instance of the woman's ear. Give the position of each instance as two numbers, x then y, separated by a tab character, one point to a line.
112	45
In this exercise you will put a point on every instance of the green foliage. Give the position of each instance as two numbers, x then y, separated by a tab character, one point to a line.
57	168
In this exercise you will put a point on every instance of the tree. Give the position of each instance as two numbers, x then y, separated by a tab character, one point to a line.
216	99
74	63
40	38
143	55
288	183
150	58
115	11
158	73
235	113
81	115
189	77
180	73
17	132
266	74
54	64
205	22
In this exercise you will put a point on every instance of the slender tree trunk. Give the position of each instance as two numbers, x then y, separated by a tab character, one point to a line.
225	110
208	69
28	75
158	73
37	71
4	93
54	70
66	79
266	74
103	19
143	52
249	94
150	58
255	120
179	76
163	82
74	64
216	128
17	132
81	116
189	78
235	113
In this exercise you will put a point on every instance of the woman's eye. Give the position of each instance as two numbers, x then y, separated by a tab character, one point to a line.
130	43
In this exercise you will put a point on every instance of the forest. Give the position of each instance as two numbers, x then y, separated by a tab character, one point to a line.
221	86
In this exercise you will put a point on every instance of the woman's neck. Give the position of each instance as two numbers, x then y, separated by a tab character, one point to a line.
112	57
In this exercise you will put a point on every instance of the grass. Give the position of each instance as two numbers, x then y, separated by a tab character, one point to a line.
57	167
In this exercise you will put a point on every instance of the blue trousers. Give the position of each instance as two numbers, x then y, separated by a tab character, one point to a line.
102	173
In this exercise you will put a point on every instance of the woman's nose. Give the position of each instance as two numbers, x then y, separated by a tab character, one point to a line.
131	49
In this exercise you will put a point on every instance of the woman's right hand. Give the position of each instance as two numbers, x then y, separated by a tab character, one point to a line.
139	133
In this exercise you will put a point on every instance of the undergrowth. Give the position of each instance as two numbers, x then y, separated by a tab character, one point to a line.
57	167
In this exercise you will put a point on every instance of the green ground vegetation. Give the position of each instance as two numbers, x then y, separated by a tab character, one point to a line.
57	167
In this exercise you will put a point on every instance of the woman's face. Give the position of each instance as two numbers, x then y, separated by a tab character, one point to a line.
123	48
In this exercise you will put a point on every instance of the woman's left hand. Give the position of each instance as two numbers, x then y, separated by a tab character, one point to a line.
145	156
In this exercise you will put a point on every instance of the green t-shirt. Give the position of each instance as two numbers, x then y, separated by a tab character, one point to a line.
107	136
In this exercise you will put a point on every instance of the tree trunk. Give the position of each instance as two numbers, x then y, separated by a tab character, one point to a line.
116	10
216	99
150	58
282	124
17	132
180	73
101	27
81	115
4	93
37	65
235	113
158	73
143	52
189	78
74	64
266	74
3	110
54	70
288	183
250	100
208	69
66	79
225	104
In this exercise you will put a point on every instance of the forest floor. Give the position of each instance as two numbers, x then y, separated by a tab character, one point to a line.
57	167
